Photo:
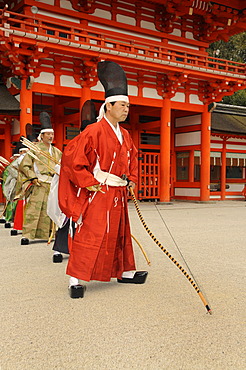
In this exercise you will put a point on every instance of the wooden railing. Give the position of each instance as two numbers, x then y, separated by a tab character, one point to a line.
111	42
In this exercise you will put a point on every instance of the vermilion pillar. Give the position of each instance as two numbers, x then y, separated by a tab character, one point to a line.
25	106
7	140
134	119
165	144
58	125
223	171
85	95
205	155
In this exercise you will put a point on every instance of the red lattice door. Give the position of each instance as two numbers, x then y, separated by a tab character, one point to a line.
149	182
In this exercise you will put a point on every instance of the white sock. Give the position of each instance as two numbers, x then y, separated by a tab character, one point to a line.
73	281
56	253
128	274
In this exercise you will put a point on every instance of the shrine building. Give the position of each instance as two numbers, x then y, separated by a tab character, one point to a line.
189	149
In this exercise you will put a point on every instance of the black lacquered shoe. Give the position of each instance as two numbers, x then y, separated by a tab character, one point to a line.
2	221
13	232
57	258
138	278
77	291
7	225
24	241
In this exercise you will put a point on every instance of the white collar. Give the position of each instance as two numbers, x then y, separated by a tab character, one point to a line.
116	130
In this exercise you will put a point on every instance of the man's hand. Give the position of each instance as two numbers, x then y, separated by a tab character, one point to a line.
95	188
36	182
131	184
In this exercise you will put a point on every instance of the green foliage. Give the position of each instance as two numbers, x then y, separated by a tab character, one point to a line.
238	98
234	49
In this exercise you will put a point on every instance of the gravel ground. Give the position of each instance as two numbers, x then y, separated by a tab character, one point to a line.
162	324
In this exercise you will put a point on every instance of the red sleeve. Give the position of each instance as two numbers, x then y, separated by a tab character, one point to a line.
133	163
78	161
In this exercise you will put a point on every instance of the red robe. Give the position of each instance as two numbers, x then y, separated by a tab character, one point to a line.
102	246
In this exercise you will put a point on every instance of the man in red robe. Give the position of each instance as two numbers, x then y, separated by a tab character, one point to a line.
93	191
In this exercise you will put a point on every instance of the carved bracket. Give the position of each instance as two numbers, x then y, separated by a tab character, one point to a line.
87	6
86	72
168	85
215	91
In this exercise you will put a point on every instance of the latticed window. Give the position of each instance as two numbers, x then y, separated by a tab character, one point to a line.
71	132
182	166
235	164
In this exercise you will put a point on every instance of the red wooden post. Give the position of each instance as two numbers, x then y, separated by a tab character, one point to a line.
85	95
165	142
205	154
58	125
223	171
25	106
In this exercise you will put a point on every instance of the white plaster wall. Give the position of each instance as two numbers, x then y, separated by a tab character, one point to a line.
59	16
150	93
188	121
218	197
148	25
132	90
188	138
98	87
68	81
237	140
189	35
234	197
179	97
50	2
235	147
235	187
66	4
183	45
217	138
176	32
194	99
215	154
102	27
46	78
187	192
17	97
127	20
102	14
236	155
216	146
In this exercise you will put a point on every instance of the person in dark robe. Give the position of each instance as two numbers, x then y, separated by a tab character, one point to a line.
60	247
96	169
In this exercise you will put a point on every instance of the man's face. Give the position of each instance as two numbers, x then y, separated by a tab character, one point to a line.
119	111
47	137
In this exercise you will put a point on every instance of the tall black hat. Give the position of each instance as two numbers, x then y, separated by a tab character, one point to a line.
88	114
113	78
18	146
15	151
114	81
44	119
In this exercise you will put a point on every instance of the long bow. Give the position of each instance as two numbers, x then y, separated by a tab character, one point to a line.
195	286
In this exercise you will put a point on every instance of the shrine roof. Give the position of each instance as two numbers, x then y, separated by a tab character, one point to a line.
8	103
229	119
